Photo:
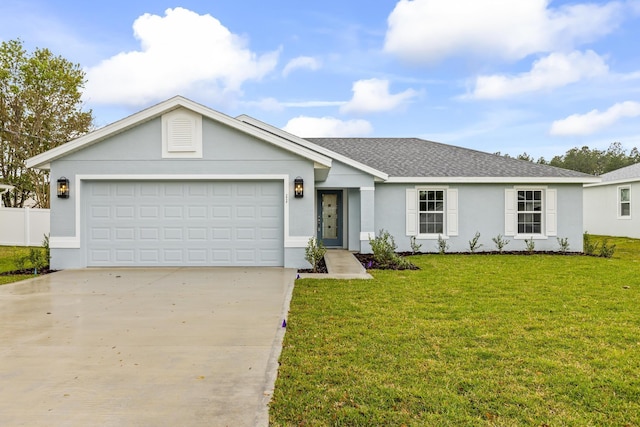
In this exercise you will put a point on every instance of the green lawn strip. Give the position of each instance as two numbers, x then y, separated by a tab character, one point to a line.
466	340
8	254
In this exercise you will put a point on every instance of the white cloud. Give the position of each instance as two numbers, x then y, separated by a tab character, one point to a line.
594	120
550	72
318	127
301	62
371	96
424	31
179	52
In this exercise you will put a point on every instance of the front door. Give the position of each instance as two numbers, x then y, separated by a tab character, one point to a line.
330	217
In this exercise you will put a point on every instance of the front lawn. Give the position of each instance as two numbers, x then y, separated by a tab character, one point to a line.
467	340
7	263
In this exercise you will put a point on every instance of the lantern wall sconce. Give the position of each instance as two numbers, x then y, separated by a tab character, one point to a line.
63	188
298	187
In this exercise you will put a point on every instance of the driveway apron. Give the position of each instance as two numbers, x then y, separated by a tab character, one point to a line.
142	347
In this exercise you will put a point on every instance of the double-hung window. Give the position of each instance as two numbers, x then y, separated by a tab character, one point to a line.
624	197
431	211
529	211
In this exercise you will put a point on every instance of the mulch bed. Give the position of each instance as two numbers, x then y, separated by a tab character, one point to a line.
27	272
322	268
370	263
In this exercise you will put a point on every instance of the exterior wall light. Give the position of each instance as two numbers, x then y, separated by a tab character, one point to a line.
298	187
63	188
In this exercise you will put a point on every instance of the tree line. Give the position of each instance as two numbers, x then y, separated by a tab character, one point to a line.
590	160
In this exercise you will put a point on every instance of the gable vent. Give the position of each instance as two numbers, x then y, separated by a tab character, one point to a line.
181	134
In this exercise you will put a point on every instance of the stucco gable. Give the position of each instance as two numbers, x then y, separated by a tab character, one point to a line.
43	161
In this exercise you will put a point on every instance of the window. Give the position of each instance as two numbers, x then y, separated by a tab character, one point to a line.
625	201
431	211
529	211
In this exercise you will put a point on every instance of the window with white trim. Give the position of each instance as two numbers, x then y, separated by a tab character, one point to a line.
529	211
431	211
624	197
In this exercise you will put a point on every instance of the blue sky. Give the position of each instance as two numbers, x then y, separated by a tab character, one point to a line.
520	76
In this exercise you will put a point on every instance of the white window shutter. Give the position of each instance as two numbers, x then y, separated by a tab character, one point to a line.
412	212
452	212
552	212
510	212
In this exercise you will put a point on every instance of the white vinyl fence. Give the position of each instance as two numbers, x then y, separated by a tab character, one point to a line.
23	226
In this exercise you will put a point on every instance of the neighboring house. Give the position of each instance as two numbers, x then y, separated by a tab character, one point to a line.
181	184
612	207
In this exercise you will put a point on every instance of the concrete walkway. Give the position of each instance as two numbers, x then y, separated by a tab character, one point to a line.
142	347
341	264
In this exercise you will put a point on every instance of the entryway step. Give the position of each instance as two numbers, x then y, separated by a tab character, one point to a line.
342	262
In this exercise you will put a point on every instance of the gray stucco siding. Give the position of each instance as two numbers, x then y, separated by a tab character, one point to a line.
345	176
481	208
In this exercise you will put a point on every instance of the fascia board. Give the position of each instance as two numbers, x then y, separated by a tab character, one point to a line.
491	180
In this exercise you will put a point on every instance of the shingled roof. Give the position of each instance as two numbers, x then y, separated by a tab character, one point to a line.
414	157
629	173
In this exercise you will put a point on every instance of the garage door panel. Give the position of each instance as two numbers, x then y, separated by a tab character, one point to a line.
183	223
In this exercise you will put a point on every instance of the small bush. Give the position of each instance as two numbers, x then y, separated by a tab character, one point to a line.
442	245
20	261
314	253
607	251
473	243
38	258
589	246
500	242
531	245
564	244
415	247
383	247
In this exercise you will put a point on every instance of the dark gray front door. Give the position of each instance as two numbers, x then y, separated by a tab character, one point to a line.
330	217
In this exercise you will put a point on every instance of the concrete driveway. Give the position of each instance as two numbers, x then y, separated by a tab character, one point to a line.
142	347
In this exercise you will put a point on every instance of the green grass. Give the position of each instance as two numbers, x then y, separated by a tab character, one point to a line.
467	340
7	256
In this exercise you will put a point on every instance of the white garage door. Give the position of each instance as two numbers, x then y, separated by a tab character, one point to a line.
149	223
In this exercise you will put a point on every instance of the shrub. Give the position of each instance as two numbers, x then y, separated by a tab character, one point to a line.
384	248
531	245
607	251
415	247
473	243
564	244
589	246
314	252
500	242
20	261
38	258
442	245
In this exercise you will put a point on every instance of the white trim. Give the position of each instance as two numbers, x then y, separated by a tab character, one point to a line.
615	182
366	235
489	179
296	241
307	144
367	188
43	160
619	204
64	242
68	242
